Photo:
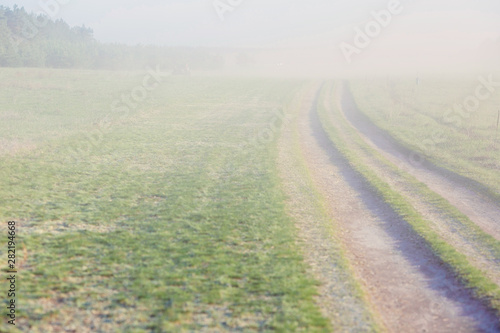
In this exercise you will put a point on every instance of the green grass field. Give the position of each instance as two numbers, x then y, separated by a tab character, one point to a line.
167	218
426	119
159	204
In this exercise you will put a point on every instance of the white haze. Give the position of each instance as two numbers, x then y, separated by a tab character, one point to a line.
303	36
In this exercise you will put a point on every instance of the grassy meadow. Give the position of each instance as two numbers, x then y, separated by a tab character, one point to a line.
165	216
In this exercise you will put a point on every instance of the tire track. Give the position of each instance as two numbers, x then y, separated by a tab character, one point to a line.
321	251
405	282
480	250
480	209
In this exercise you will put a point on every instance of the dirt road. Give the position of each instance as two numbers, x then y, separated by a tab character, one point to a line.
480	209
461	231
405	284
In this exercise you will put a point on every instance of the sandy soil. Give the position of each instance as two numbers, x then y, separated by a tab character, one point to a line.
481	210
12	147
405	283
321	251
459	235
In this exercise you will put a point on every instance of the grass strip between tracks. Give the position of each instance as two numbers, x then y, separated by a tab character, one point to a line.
482	287
473	231
441	164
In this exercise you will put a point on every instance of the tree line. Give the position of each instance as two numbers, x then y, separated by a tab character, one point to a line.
29	40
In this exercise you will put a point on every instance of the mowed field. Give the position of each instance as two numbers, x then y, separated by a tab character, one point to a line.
164	217
147	202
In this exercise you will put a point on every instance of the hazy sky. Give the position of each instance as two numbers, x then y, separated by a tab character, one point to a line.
434	29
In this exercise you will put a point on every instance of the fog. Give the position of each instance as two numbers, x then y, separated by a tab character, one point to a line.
237	165
298	37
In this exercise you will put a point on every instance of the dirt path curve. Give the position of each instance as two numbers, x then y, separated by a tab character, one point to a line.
321	250
405	283
462	236
483	211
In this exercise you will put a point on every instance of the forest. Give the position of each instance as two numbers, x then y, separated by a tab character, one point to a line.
29	40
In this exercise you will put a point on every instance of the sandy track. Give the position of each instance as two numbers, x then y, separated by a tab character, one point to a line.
405	283
321	251
461	236
481	210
